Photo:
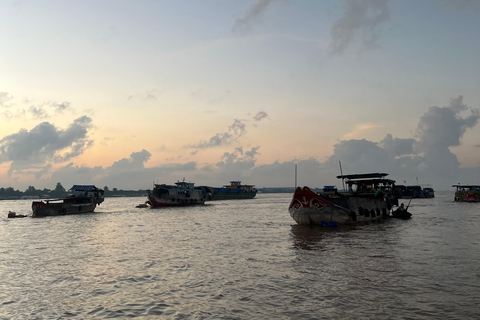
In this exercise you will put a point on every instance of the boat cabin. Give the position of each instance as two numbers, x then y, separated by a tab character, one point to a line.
367	183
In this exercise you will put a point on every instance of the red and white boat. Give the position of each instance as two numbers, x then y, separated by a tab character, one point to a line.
307	207
367	197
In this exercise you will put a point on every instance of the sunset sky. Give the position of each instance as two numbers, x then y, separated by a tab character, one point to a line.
127	93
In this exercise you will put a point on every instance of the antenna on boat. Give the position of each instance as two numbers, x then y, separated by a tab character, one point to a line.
341	173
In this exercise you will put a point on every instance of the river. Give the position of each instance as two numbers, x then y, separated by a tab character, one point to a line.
239	259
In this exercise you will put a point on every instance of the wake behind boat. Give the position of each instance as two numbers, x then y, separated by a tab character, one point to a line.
368	197
181	194
84	198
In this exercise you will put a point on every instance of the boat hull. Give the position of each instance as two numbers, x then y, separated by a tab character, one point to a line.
464	196
194	199
220	194
43	209
307	207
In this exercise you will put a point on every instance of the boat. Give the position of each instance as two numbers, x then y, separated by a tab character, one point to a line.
236	190
428	192
367	197
416	191
82	199
401	213
467	193
180	194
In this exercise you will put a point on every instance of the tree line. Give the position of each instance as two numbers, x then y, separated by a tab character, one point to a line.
60	192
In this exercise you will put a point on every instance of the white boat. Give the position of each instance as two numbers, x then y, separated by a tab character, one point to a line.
83	199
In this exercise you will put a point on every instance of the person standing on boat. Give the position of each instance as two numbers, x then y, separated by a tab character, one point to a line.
379	193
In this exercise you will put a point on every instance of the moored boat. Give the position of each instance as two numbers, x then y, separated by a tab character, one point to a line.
368	197
181	194
83	199
236	190
467	193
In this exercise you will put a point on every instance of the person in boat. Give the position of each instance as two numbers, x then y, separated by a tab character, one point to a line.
401	208
379	193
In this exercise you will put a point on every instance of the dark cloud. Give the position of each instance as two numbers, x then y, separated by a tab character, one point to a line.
45	143
253	15
360	20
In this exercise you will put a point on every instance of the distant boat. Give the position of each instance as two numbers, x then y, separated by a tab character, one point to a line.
467	193
181	194
368	197
236	190
416	191
84	198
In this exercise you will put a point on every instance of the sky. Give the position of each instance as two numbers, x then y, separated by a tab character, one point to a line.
125	94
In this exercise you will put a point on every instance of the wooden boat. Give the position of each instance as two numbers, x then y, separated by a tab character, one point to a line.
467	193
181	194
83	199
368	197
401	213
236	190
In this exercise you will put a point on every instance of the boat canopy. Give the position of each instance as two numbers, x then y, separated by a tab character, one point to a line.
469	186
362	176
78	187
371	181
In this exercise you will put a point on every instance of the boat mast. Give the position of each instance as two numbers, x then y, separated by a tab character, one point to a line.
295	176
341	173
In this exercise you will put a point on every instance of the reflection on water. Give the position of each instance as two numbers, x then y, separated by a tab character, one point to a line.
244	259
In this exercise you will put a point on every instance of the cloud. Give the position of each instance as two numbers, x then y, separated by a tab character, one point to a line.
443	127
38	112
427	156
360	19
260	116
253	15
236	130
5	98
45	143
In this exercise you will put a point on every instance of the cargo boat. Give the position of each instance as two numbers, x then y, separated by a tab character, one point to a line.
236	190
84	198
181	194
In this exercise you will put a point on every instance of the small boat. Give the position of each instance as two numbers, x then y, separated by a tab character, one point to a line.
12	214
368	197
181	194
401	213
236	190
467	193
83	199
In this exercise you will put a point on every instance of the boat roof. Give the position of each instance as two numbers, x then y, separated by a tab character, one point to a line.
371	181
466	186
362	176
80	187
